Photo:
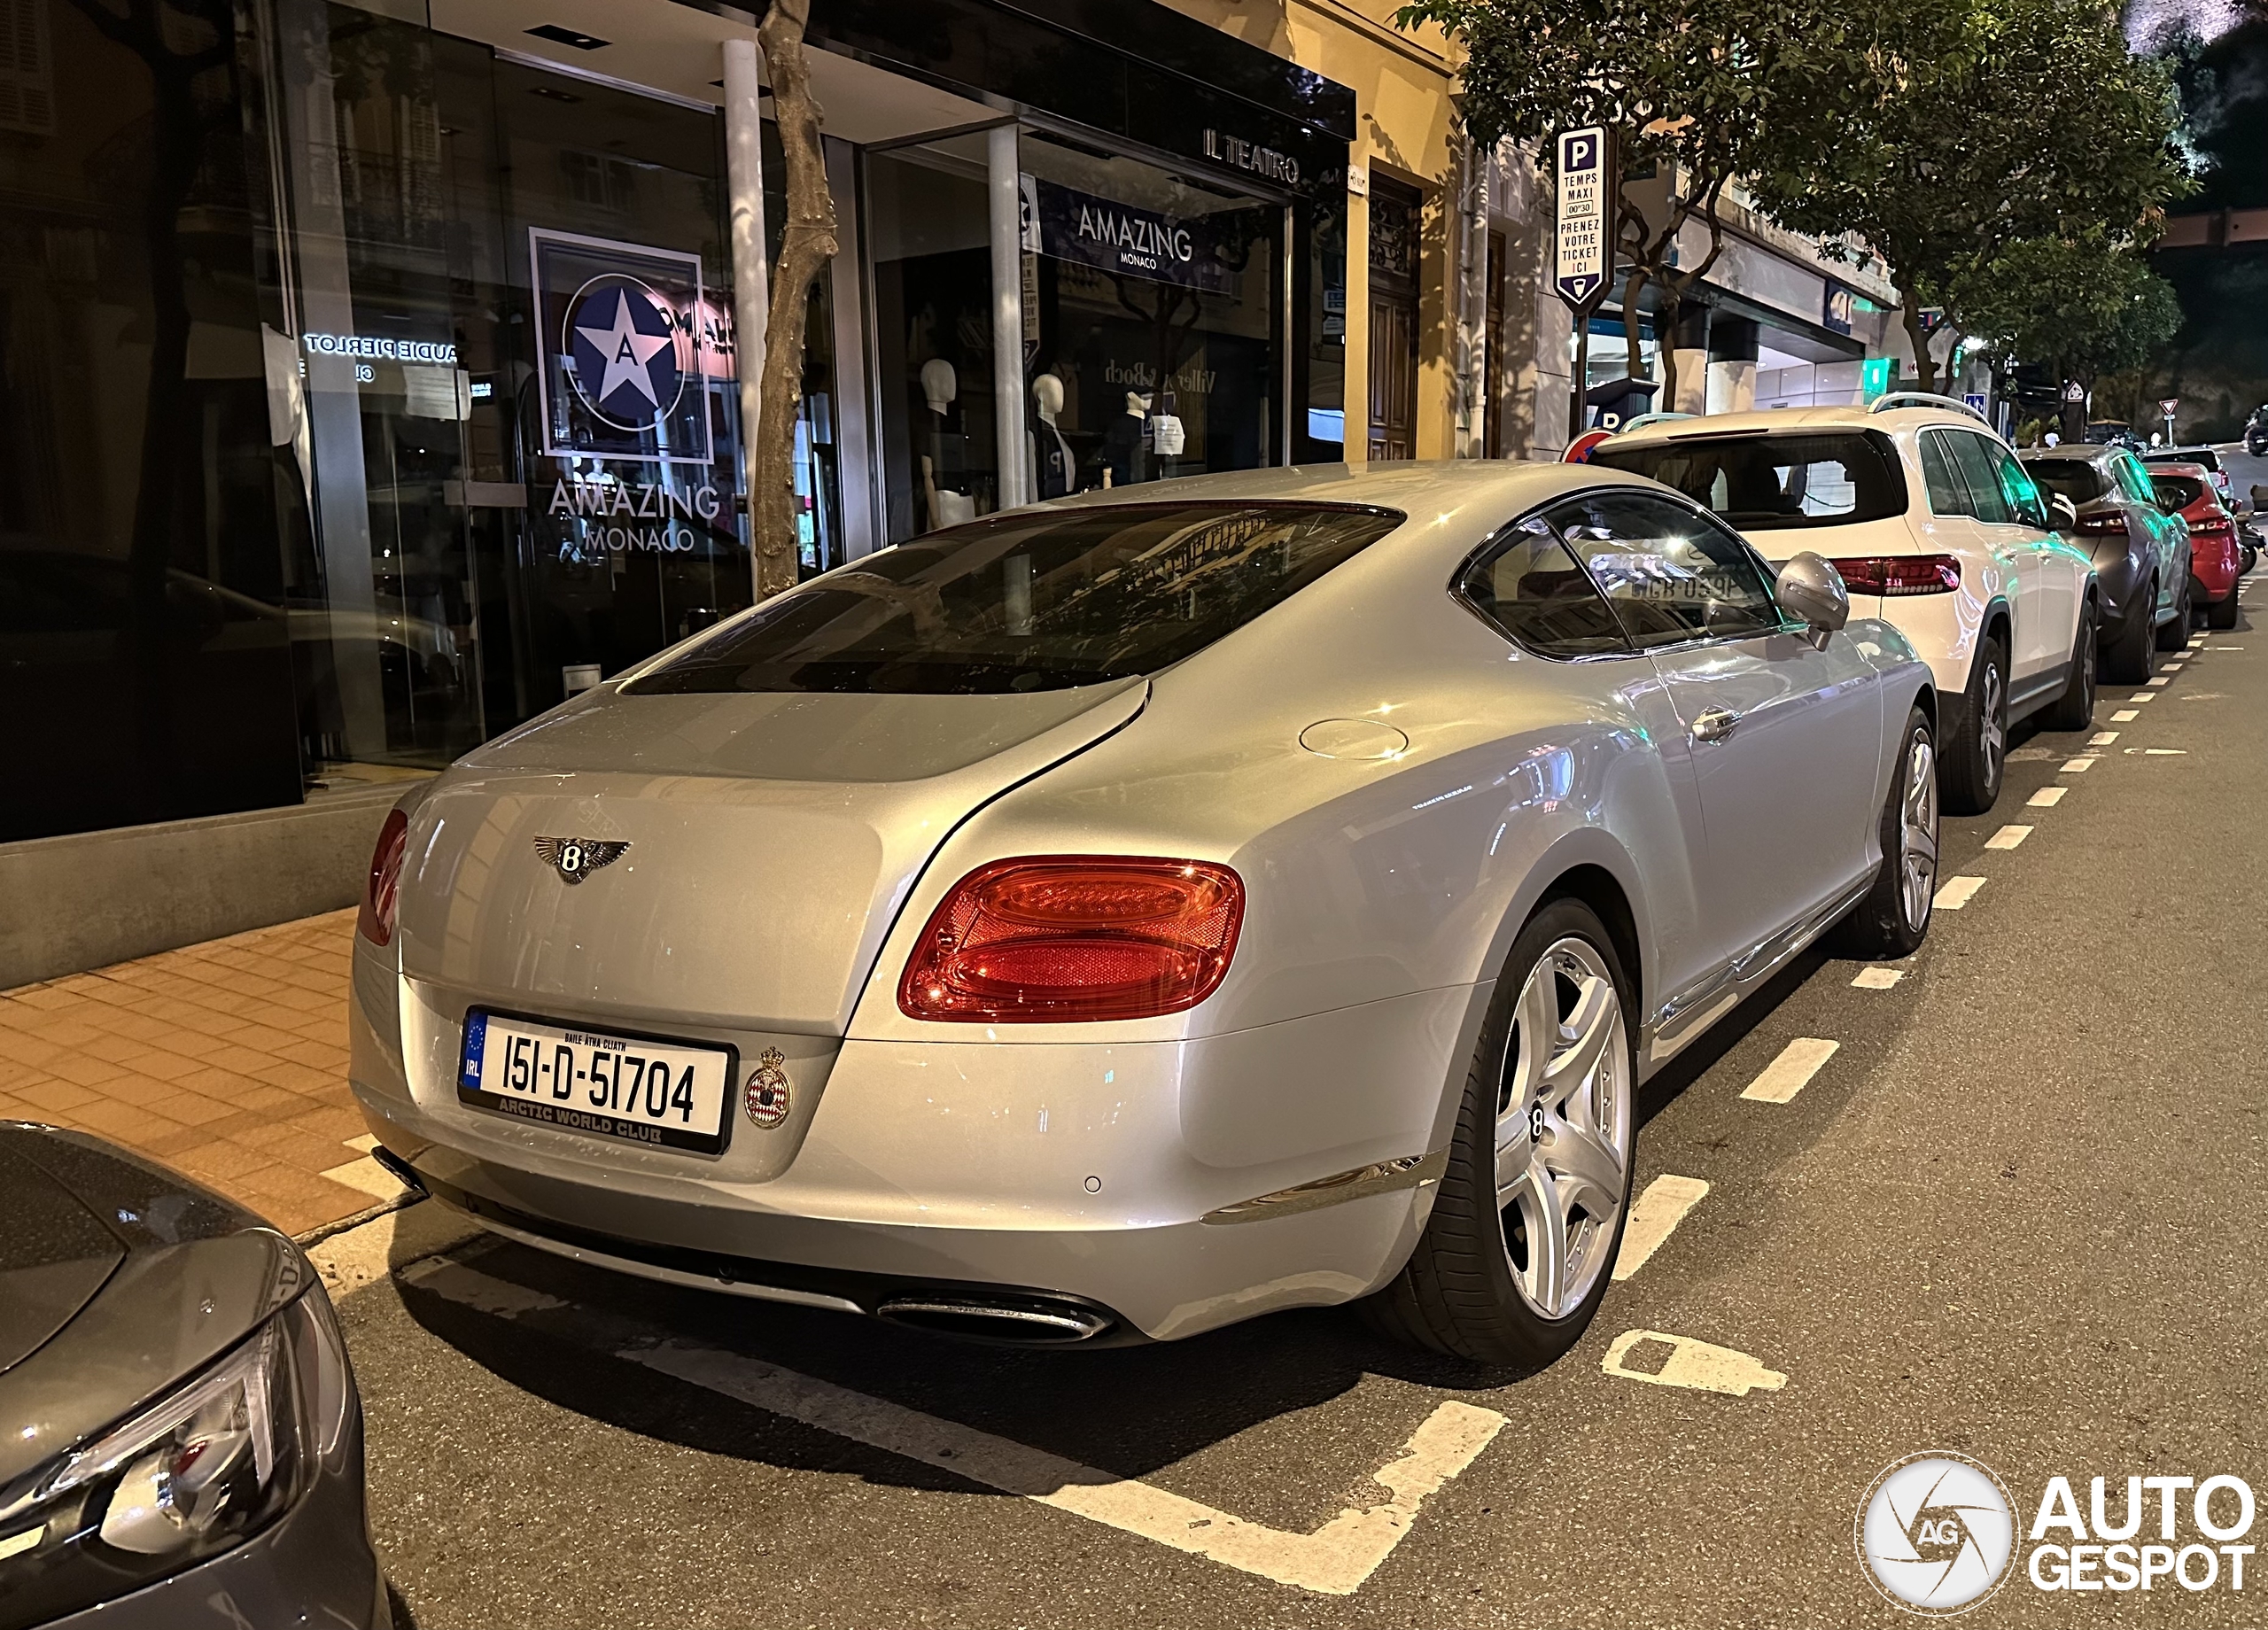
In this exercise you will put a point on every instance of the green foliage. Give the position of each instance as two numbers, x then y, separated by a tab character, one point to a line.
2083	307
2006	121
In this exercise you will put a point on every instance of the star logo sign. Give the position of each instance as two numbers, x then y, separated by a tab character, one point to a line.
623	341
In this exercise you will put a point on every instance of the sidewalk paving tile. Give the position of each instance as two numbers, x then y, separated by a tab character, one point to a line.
226	1060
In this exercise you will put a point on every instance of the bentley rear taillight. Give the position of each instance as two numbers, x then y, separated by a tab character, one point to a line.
381	892
1056	939
1900	574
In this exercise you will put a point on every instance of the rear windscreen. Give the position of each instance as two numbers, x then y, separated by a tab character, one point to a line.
1767	480
2073	479
2175	491
1036	600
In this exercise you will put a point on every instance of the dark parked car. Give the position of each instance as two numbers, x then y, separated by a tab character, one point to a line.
2256	431
181	1441
2141	553
2111	433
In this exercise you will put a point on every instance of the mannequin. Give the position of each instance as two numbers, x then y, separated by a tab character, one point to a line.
946	459
1125	454
1051	465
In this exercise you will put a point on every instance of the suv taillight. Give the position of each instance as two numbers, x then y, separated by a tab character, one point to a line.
1057	939
382	891
2103	522
1900	574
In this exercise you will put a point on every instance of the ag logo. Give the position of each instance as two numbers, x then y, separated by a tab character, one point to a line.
623	337
576	858
766	1099
1935	1533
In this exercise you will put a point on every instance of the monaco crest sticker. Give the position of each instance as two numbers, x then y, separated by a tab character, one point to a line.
767	1097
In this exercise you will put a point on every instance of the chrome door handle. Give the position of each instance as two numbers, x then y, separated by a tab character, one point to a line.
1715	724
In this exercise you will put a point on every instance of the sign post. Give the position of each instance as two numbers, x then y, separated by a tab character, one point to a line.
1584	243
2166	405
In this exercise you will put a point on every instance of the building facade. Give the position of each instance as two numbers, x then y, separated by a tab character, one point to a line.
375	368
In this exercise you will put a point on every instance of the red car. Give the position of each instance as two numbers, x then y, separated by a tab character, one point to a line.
2187	490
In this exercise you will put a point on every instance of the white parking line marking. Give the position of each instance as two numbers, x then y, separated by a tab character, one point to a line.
1693	1364
362	1256
2143	695
2047	797
2225	648
2161	752
2175	666
363	1144
2008	837
2159	683
2075	767
1660	1210
368	1176
1792	1072
2125	714
1877	978
1334	1560
2102	738
1957	892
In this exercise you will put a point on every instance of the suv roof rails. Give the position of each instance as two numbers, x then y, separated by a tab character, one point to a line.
1924	399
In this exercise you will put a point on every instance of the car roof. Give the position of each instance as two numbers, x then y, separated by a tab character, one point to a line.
1410	485
1782	419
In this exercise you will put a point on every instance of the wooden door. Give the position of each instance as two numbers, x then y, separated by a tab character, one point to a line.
1396	217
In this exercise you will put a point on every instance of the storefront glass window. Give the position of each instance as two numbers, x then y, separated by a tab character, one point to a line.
928	237
1155	353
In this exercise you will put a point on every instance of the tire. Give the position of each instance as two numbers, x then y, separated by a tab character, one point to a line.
1474	1287
2074	710
1892	918
2222	612
2131	658
2173	634
1975	758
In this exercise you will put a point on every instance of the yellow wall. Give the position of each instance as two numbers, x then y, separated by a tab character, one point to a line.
1402	84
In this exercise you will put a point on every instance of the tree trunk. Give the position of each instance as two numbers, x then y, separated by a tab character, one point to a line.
1633	286
1666	317
1925	369
808	244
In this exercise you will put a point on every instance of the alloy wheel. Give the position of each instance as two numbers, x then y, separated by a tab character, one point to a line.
1562	1128
1917	861
1993	728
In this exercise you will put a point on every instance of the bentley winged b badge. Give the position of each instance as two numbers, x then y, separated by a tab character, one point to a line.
576	858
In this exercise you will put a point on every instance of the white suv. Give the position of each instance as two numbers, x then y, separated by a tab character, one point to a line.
1934	527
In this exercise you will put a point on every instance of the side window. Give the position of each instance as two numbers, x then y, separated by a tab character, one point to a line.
2133	480
2017	487
1531	587
1670	574
1946	495
1987	502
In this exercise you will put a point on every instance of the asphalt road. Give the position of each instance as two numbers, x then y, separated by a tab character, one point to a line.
2015	1214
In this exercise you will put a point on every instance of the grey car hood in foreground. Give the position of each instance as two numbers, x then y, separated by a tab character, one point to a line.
769	841
117	1279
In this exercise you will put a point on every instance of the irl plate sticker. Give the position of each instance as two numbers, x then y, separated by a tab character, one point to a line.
476	1040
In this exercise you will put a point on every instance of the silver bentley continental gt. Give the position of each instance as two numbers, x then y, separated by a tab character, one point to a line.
1119	917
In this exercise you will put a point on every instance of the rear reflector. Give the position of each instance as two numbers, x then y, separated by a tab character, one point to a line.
1900	574
1058	939
382	891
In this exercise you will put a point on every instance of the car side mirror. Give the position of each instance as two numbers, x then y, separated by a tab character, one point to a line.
1811	588
2065	513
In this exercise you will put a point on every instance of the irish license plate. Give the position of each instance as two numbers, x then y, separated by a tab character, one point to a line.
639	1088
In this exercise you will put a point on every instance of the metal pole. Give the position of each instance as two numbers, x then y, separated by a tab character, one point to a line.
1582	374
1006	200
751	302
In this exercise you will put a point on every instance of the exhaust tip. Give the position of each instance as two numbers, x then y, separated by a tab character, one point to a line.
1029	1323
401	1170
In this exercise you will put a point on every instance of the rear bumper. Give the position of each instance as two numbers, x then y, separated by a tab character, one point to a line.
1161	1281
1094	1171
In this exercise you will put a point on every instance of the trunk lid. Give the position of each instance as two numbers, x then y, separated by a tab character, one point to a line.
769	840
